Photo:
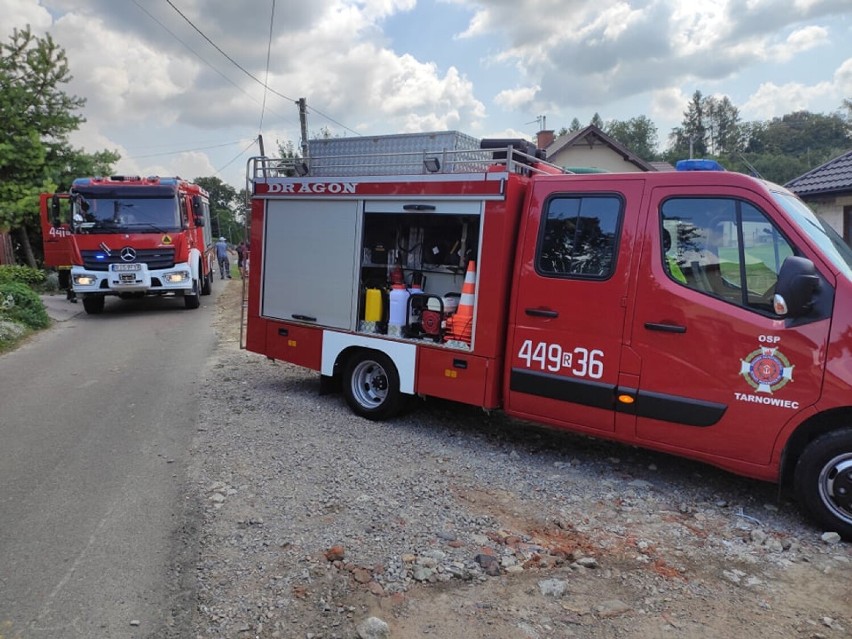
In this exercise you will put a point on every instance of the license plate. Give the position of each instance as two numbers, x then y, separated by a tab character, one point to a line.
127	277
126	267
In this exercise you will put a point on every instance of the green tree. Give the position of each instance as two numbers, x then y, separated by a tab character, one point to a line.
638	135
225	208
597	121
847	105
288	150
722	119
788	146
574	126
37	115
690	139
802	133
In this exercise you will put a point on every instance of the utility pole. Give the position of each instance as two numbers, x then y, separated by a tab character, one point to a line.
303	121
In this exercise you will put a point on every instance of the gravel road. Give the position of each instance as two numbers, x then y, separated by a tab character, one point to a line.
450	523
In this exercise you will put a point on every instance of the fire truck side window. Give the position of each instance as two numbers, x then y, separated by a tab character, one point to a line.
723	247
579	236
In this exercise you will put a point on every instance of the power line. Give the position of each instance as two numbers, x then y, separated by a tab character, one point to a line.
268	53
248	73
234	159
200	57
200	148
229	58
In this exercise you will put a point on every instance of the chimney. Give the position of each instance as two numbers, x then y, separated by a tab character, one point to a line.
544	139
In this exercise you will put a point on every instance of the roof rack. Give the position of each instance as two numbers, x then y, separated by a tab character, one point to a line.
512	155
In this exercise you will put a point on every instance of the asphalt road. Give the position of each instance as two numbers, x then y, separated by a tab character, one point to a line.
96	417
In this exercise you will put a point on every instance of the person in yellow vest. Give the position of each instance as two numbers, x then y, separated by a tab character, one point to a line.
671	264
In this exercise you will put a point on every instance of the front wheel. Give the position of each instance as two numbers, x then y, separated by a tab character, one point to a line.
206	282
193	300
371	386
823	480
93	304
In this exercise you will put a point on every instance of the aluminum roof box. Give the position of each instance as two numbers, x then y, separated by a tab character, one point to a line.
396	154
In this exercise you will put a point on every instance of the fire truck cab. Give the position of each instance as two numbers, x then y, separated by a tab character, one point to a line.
702	313
129	237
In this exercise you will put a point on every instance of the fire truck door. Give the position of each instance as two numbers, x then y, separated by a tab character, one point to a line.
56	240
567	324
720	374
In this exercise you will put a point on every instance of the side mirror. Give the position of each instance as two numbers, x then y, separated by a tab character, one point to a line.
54	210
199	220
797	283
196	206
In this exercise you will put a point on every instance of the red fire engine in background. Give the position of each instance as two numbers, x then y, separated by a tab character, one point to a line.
702	313
130	237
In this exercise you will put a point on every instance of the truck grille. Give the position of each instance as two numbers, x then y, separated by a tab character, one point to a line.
157	258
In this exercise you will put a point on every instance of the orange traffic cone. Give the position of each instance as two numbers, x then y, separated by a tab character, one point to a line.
460	325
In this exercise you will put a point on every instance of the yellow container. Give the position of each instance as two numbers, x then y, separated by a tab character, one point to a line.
373	305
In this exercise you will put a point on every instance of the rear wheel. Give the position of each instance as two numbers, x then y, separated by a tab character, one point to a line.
94	304
824	480
371	386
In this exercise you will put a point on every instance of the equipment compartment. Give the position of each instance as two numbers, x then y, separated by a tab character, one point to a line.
420	249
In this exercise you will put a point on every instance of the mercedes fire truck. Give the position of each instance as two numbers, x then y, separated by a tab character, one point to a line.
130	236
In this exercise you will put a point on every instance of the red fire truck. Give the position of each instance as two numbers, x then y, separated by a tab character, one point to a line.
130	237
702	313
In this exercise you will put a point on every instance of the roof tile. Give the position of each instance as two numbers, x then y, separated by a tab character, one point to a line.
833	176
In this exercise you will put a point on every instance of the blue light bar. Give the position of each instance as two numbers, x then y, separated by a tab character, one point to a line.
100	256
699	165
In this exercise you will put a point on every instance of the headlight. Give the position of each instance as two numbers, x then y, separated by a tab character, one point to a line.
177	276
84	280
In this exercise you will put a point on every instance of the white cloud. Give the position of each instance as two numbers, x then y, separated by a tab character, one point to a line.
20	13
771	100
519	98
121	76
379	9
604	51
799	41
843	80
667	107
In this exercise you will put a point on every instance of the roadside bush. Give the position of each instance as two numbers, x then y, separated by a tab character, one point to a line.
51	282
32	277
20	303
10	332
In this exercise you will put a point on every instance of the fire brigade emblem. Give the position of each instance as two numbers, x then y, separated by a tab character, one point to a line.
167	239
766	370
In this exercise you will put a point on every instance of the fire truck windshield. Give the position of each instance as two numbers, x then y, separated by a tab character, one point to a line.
112	213
832	245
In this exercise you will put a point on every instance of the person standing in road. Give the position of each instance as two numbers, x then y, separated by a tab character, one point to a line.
241	259
65	282
222	258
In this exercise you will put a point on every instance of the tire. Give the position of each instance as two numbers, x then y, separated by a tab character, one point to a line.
94	304
371	386
823	481
207	283
193	300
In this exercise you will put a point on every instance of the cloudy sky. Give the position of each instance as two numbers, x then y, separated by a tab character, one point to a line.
176	86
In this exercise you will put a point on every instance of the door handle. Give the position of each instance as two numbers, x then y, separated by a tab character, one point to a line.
665	328
541	312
